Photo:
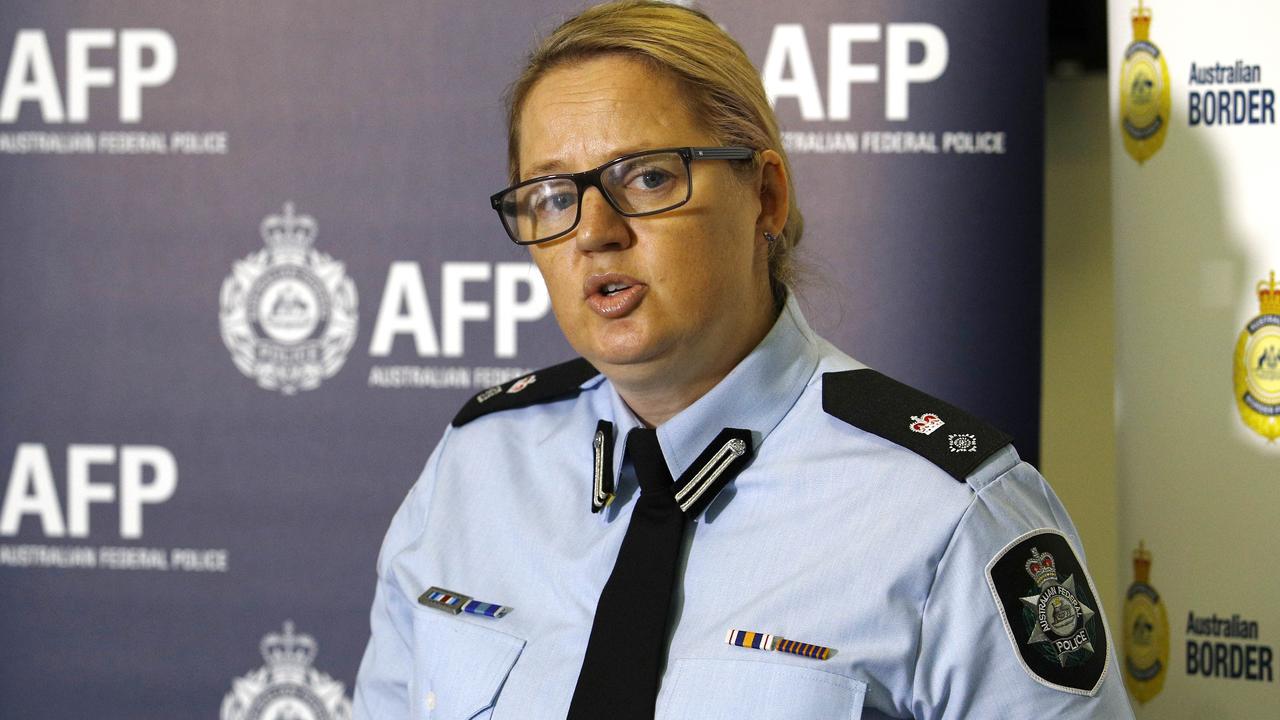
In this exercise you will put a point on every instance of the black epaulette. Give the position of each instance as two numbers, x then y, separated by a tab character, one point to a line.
940	432
553	383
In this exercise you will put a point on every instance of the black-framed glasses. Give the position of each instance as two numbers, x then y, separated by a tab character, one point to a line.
638	184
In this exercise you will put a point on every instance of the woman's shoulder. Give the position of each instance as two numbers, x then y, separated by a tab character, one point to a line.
558	382
955	441
874	426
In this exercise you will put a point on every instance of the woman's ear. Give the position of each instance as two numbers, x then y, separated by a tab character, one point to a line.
775	201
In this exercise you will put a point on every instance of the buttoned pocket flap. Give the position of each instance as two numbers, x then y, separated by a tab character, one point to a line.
459	666
706	689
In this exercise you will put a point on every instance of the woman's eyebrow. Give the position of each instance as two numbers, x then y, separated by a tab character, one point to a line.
546	167
557	165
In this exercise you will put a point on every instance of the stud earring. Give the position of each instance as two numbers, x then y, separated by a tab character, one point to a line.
770	238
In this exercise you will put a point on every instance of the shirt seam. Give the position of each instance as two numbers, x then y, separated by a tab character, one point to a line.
937	570
430	478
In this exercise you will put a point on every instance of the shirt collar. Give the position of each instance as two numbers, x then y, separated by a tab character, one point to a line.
755	395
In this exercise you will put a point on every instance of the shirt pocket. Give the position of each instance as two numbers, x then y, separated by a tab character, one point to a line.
459	667
706	689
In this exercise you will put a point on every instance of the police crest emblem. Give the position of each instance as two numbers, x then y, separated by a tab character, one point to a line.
1144	91
287	687
1050	612
288	312
1146	632
1256	375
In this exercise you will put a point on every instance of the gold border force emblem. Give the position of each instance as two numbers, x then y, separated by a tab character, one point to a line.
1144	91
1146	633
1256	366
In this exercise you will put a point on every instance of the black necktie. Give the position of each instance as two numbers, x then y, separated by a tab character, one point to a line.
620	671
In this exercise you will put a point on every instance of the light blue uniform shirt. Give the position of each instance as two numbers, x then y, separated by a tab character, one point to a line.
832	536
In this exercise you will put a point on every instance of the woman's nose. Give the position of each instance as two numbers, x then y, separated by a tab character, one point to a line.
601	228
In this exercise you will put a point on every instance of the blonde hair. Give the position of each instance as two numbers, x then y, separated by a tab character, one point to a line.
722	89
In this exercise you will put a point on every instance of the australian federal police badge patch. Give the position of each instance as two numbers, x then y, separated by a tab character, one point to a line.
1050	612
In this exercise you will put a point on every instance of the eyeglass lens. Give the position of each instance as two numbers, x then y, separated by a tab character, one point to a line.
635	186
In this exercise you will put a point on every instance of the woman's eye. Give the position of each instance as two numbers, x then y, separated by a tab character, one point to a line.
554	203
649	179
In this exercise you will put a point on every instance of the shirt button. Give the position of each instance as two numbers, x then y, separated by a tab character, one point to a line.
431	701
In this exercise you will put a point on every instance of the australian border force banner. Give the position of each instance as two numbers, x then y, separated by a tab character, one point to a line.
1197	242
249	273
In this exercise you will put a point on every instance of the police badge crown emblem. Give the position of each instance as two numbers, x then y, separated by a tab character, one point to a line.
1060	617
288	312
1146	632
1048	606
1144	91
1256	367
287	687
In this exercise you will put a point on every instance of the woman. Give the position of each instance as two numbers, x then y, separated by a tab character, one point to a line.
713	513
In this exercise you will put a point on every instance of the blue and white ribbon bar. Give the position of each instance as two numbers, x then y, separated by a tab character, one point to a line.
454	603
475	607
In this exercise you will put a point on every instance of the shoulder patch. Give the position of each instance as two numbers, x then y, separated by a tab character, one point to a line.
939	432
1050	611
553	383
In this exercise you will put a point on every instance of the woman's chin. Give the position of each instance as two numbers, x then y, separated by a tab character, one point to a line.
628	352
622	357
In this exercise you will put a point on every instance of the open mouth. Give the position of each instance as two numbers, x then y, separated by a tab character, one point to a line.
613	295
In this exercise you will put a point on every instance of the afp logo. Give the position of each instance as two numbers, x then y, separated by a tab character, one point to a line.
789	72
146	475
144	58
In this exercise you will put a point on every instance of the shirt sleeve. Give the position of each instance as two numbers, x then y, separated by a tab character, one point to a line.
382	682
1007	633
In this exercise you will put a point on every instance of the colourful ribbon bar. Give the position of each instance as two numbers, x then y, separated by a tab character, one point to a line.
749	639
808	650
765	641
442	599
454	603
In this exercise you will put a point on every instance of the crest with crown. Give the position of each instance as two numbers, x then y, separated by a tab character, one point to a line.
288	234
1269	296
1141	19
926	423
288	650
1041	569
1141	564
287	684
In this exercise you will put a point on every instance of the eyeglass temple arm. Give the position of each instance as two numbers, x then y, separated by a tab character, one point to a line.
722	153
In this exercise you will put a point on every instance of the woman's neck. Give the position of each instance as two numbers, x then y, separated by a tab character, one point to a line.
658	393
